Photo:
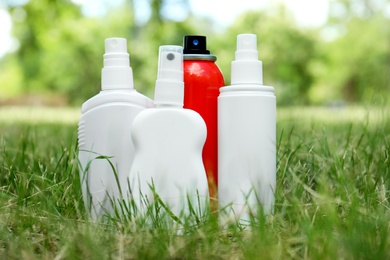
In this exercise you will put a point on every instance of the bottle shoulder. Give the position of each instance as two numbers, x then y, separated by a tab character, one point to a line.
170	112
169	117
200	70
113	97
169	129
250	89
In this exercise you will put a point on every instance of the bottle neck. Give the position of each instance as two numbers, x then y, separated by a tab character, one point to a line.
247	72
206	57
169	93
116	72
117	78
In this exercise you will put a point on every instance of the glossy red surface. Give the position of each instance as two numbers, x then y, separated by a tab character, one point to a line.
202	80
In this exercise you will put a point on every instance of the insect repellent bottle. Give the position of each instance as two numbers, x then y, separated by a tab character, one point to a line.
106	150
202	80
168	142
247	138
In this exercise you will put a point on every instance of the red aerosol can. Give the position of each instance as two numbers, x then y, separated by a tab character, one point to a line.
202	81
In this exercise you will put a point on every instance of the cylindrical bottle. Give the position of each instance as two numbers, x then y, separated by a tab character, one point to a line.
168	145
202	81
106	150
247	138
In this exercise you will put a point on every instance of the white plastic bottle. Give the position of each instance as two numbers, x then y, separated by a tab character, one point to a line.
104	130
246	138
168	143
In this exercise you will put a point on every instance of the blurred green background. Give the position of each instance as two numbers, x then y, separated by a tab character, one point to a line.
57	51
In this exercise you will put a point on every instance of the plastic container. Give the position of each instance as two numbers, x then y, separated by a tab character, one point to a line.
202	81
168	144
104	129
247	138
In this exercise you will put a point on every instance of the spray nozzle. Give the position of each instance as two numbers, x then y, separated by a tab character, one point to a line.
169	84
195	44
116	52
116	73
170	65
247	68
246	47
116	45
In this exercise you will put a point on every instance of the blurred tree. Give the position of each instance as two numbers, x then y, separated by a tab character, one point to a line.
31	26
341	11
10	78
356	65
286	52
60	51
160	29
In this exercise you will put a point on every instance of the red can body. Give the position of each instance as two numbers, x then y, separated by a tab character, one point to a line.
202	81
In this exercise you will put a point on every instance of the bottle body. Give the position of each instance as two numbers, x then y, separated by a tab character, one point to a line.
168	157
202	81
247	151
106	150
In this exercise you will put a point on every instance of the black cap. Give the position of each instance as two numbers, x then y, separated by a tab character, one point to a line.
195	44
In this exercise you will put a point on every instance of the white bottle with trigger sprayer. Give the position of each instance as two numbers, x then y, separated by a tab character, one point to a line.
104	132
246	138
168	143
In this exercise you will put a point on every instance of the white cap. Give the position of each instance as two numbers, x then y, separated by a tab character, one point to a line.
247	68
116	73
169	84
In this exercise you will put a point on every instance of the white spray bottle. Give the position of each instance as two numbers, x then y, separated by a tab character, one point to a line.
168	143
246	138
105	145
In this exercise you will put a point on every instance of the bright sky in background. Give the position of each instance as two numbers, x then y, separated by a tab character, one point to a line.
5	31
223	12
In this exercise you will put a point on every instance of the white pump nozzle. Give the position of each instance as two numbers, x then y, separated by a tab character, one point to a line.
116	73
247	68
115	45
169	84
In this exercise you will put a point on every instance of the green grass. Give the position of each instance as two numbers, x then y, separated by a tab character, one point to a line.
332	197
